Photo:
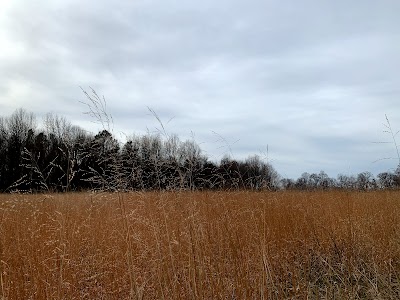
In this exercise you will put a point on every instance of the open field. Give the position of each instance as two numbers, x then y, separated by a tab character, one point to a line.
201	245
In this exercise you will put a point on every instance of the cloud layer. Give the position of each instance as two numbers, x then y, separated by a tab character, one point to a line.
310	80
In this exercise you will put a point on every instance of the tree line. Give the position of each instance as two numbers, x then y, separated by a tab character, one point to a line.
363	181
59	156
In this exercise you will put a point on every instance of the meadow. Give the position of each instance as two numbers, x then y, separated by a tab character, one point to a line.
201	245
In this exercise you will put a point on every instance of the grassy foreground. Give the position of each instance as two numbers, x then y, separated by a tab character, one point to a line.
202	245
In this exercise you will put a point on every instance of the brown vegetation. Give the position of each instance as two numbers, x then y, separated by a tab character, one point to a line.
201	245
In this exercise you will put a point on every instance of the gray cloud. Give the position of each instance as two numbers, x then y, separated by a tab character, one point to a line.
311	79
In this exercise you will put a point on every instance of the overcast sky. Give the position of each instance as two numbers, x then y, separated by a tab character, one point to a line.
311	80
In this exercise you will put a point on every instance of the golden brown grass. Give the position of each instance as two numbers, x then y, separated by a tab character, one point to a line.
202	245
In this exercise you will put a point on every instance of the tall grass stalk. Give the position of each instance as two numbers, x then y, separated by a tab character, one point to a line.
201	245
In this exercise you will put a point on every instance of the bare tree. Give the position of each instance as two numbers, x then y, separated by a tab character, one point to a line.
17	130
365	181
66	135
346	182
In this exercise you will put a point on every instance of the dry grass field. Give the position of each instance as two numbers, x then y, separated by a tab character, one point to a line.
201	245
